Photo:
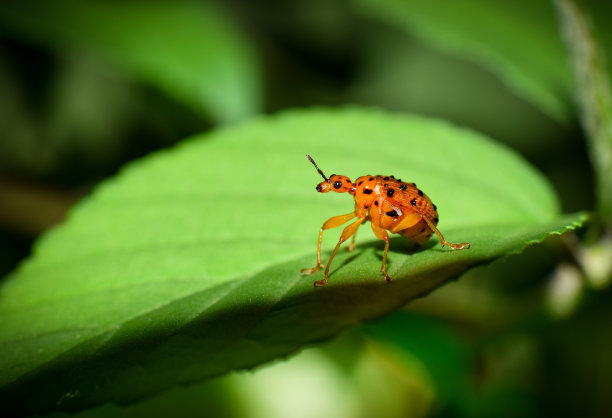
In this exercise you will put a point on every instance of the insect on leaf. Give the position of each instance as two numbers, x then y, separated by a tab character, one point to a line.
186	265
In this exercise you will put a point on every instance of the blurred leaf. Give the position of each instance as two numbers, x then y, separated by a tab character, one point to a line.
517	40
451	361
190	50
186	265
594	96
444	354
401	74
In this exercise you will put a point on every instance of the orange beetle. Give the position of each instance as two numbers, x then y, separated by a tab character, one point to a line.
389	204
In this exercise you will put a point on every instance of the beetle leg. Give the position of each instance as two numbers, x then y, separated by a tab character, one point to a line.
409	220
383	235
463	245
351	246
334	222
346	233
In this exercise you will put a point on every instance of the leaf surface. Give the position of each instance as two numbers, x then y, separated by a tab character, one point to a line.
186	264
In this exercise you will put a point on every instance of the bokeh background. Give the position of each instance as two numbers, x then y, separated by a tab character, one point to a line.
87	86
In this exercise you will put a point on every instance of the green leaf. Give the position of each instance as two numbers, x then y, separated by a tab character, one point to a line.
444	354
191	51
594	96
517	40
187	264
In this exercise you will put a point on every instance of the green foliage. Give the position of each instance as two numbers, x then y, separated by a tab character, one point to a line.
186	265
446	358
191	51
517	40
594	95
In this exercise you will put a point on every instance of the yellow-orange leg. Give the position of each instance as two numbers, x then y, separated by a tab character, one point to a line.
351	246
383	235
463	245
346	233
334	222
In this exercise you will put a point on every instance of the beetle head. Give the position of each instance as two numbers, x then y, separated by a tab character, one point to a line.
335	182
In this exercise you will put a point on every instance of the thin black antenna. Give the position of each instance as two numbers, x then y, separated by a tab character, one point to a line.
318	169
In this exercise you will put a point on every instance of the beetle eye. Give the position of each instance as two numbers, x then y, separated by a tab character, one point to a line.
337	184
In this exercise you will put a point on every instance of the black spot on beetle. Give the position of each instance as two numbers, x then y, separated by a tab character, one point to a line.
403	187
420	192
413	184
413	202
386	178
400	180
376	202
371	178
386	185
435	220
337	184
367	191
435	207
392	213
390	192
359	184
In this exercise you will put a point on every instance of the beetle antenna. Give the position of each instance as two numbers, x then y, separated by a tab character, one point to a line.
318	169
